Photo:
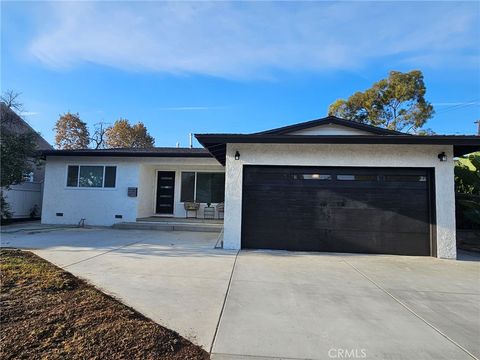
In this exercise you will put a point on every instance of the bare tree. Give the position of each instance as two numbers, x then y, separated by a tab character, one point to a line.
99	135
11	99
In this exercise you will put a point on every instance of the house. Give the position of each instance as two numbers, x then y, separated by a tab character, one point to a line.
324	185
24	199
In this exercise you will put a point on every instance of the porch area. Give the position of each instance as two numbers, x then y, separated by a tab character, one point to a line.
169	193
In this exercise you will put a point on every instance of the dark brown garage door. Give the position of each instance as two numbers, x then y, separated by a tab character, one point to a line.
361	210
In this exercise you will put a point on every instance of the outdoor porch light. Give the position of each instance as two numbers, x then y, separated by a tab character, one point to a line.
442	156
237	155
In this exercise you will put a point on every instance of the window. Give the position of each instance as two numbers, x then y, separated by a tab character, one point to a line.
188	187
72	177
312	177
203	187
91	176
406	178
210	187
110	176
357	177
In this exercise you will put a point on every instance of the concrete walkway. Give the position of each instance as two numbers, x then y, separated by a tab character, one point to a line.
280	305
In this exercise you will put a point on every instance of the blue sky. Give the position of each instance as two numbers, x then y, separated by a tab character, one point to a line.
233	66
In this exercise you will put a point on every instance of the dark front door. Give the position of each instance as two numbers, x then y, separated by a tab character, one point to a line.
362	210
165	192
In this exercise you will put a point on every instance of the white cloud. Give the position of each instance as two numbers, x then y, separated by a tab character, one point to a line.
254	39
28	113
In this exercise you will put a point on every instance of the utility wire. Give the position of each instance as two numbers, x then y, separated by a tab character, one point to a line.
473	102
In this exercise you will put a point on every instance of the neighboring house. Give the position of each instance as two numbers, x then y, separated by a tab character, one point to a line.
25	199
323	185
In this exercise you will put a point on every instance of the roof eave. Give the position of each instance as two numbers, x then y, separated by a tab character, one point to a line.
338	139
461	144
123	154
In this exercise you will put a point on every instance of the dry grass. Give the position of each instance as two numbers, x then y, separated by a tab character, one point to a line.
50	314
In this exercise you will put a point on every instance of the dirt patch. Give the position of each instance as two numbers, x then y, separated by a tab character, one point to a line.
50	314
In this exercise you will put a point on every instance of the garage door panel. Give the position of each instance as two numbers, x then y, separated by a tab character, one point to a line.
340	213
379	216
351	198
343	241
382	198
380	220
327	220
380	242
298	241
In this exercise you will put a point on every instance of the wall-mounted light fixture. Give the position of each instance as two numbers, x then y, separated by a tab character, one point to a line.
237	155
442	156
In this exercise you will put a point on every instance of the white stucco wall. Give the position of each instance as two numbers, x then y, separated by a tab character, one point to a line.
98	206
424	156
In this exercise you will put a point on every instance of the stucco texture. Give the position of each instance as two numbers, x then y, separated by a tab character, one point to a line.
98	206
424	156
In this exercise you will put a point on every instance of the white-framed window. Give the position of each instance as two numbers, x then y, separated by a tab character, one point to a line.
91	176
203	187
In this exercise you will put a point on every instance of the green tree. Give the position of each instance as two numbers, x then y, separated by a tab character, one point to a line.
467	174
71	132
467	185
395	103
124	135
18	154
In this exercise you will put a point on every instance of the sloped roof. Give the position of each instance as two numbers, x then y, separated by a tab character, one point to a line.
333	120
12	122
216	144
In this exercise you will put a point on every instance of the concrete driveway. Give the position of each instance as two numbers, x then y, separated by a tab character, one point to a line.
278	304
321	306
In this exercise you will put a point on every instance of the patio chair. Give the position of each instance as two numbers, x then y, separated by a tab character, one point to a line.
191	206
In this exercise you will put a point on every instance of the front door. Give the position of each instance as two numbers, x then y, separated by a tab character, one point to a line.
165	192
